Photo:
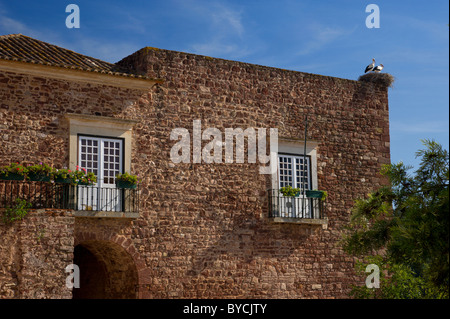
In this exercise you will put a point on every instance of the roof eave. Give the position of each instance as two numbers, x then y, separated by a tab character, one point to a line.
77	74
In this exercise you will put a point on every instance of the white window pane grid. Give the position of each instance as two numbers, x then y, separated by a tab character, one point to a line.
298	175
302	172
112	151
89	153
103	157
294	171
285	171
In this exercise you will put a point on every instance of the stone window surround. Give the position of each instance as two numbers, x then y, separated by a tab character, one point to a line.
80	124
296	146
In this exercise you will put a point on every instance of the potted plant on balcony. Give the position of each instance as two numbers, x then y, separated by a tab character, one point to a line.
63	175
89	179
288	191
126	180
39	172
316	194
83	177
13	172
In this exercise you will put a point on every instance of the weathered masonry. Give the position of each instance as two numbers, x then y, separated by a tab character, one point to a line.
190	230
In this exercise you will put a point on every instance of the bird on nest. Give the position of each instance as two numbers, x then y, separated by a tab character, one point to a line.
378	68
370	66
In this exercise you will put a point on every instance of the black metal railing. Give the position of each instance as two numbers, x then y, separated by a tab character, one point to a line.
67	196
295	207
108	199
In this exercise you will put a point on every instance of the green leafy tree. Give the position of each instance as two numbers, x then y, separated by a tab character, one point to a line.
406	224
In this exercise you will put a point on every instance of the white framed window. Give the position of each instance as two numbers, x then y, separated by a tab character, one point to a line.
92	126
297	167
294	170
102	156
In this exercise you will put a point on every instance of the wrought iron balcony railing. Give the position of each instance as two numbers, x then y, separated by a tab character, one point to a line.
66	196
300	207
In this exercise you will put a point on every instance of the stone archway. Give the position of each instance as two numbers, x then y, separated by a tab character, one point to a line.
107	271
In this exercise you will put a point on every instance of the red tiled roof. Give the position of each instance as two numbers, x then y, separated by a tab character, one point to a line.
18	47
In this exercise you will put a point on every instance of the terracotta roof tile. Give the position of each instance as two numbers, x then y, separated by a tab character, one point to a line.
18	47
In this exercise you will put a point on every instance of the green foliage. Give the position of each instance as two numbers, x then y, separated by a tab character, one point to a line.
62	173
16	212
75	177
289	191
80	175
88	178
13	168
408	220
41	169
126	177
397	281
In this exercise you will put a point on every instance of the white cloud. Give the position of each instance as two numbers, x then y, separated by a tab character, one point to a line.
224	32
437	126
321	37
218	48
227	20
102	49
11	26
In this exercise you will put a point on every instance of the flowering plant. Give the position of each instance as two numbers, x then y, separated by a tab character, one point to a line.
13	168
81	175
89	179
62	173
78	174
44	172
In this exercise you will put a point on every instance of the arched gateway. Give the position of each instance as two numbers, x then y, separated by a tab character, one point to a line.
107	271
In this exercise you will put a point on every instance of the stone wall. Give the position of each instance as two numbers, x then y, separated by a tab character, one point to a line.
210	232
34	253
32	115
204	230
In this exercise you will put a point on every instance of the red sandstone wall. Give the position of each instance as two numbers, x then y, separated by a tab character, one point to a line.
34	253
211	234
203	231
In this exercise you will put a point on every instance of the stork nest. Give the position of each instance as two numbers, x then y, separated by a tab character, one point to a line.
379	78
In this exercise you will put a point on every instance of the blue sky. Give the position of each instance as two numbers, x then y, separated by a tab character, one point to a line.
322	37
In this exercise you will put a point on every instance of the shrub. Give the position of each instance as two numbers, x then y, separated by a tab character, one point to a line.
17	212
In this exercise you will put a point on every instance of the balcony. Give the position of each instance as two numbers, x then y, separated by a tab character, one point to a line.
85	201
296	209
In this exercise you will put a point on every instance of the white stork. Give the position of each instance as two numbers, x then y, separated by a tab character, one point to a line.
378	68
370	66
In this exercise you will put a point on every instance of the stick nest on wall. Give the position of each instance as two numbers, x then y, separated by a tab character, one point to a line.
380	78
